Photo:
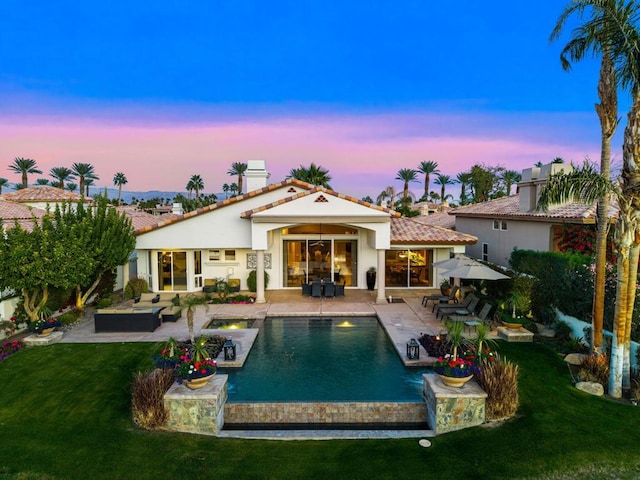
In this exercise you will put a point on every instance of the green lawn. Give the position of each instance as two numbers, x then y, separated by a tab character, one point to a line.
64	414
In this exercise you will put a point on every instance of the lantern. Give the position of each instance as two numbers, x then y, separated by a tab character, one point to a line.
229	349
413	349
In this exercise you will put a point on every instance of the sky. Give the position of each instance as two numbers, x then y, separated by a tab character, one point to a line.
167	89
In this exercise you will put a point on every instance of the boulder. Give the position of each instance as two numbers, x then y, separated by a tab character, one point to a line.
575	358
591	388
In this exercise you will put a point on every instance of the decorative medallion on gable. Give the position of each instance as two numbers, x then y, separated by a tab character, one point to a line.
321	199
292	190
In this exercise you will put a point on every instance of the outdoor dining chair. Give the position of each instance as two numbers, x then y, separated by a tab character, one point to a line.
316	289
329	289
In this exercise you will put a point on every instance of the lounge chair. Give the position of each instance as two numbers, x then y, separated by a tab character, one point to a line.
473	321
439	298
469	305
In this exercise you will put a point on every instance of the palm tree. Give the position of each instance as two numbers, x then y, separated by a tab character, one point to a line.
225	189
119	179
42	181
196	183
3	183
84	172
510	177
443	181
463	179
72	187
61	174
89	182
388	194
406	175
239	169
428	167
24	166
595	38
233	188
313	174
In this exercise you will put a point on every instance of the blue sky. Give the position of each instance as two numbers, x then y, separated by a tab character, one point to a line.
290	82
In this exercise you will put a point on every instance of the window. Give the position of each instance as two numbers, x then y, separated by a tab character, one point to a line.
503	225
485	252
230	255
496	224
214	255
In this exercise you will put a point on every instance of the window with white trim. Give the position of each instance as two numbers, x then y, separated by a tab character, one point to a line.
485	251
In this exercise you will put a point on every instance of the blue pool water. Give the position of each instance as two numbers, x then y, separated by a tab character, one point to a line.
324	359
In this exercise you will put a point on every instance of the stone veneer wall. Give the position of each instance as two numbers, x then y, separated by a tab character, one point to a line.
326	413
197	411
451	408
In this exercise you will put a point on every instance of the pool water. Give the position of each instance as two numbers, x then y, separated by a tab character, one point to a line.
324	359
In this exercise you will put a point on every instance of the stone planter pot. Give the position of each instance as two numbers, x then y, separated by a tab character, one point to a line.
371	280
46	332
197	383
512	326
457	382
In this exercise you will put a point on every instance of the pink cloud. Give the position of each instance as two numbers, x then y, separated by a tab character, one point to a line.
362	152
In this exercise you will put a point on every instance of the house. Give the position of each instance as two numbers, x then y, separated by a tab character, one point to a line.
507	223
295	232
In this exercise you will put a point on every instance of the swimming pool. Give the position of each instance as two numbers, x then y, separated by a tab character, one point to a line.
336	359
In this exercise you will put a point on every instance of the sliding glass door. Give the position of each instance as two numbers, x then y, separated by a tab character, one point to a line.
172	271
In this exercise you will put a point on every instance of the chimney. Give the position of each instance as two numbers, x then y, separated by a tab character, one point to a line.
256	175
177	209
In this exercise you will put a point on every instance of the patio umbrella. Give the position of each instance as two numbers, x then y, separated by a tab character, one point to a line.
473	270
451	263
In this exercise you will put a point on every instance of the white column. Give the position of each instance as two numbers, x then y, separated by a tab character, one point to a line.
381	298
260	277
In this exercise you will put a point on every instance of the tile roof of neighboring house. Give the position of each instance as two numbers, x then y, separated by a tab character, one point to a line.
13	211
509	207
141	219
254	193
43	193
405	230
438	219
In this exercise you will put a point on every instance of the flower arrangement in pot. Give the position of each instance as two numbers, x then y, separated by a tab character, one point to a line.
194	368
45	325
455	370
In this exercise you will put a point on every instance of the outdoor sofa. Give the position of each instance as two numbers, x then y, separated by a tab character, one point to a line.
151	300
127	319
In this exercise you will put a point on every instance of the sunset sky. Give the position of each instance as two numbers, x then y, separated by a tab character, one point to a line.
163	90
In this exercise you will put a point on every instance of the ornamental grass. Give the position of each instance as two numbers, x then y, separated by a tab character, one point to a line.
499	378
147	395
595	368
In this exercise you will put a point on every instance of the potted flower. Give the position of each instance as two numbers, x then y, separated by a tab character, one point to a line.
455	370
445	287
371	278
45	326
194	368
170	354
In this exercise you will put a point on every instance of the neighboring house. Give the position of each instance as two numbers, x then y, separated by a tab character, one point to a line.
437	219
295	231
507	223
43	197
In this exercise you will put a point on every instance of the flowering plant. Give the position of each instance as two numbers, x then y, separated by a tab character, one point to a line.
459	367
8	348
44	323
188	368
169	357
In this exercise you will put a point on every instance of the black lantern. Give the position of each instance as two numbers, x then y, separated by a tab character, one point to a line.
230	350
413	349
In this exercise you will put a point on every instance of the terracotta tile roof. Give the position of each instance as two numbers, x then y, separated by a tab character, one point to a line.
508	207
254	193
406	230
438	219
11	211
43	193
141	219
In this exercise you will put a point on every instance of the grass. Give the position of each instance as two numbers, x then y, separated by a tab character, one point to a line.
65	414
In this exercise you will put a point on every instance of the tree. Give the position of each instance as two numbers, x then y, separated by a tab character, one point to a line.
55	253
428	168
313	174
510	178
89	182
483	182
388	195
119	179
595	37
406	175
195	183
233	188
61	174
225	189
24	167
239	169
72	187
463	179
367	199
443	181
3	183
42	181
84	172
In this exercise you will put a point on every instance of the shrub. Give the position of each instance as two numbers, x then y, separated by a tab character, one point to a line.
252	281
563	331
104	302
135	287
499	379
595	368
635	386
147	397
67	318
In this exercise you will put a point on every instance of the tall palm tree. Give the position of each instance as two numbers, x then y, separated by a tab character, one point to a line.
594	38
24	167
406	175
233	188
119	179
88	182
197	184
428	167
190	188
443	181
463	179
84	172
3	183
313	174
510	177
388	195
239	169
61	174
225	189
72	187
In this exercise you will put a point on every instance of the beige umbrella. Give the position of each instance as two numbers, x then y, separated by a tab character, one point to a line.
472	270
451	263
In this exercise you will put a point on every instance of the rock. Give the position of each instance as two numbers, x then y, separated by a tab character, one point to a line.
575	358
424	443
591	388
547	332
